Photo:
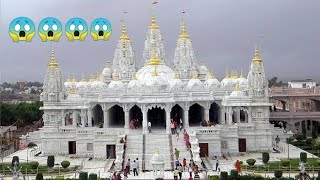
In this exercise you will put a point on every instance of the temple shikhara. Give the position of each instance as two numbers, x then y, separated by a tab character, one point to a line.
137	105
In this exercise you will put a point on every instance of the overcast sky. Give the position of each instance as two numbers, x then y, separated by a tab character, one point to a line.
223	32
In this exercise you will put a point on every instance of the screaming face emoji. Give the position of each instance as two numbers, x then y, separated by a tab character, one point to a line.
76	29
50	29
21	29
100	29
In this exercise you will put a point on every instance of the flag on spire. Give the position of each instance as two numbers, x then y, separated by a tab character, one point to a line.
183	11
154	1
125	12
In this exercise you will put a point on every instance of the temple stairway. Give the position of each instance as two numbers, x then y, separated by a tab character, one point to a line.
134	148
158	141
181	146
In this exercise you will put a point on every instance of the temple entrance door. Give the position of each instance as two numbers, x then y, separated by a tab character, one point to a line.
203	149
72	147
157	117
116	116
97	118
242	145
111	151
196	113
176	114
214	113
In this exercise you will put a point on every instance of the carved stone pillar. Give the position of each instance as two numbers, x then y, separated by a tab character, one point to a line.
186	116
126	116
145	120
89	117
206	114
238	115
229	115
221	119
105	109
168	110
63	118
74	117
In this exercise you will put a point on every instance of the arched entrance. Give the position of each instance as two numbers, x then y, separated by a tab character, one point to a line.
196	114
157	117
97	118
243	116
135	117
214	113
116	116
176	113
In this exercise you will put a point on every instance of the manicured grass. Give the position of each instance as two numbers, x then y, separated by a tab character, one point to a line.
311	162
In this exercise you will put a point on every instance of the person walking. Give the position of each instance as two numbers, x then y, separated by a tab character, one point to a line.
125	173
196	176
190	170
180	169
175	174
176	153
128	166
134	167
217	163
149	127
184	163
237	165
138	169
172	127
180	125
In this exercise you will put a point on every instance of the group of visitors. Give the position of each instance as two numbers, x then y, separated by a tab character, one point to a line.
207	123
176	126
191	168
127	170
134	123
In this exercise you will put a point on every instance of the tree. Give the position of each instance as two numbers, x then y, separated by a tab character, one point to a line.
50	161
314	132
304	130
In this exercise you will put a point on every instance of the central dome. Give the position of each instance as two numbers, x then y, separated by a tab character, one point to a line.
164	74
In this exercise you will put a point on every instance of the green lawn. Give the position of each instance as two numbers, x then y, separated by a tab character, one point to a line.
311	164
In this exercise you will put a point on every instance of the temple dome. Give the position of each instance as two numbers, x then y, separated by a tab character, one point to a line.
116	84
193	83
164	74
211	83
227	82
134	83
98	85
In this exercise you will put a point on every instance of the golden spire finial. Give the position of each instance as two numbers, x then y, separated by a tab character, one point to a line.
257	58
134	75
211	76
116	76
184	33
73	90
154	60
155	73
176	74
74	78
227	74
234	75
92	78
237	87
53	62
83	78
153	24
194	74
68	78
124	35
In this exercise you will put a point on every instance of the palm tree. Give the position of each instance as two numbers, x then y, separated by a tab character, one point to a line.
289	141
30	145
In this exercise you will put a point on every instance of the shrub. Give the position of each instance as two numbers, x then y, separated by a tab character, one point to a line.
39	176
213	177
234	174
314	132
304	130
285	162
251	162
265	157
303	157
15	158
50	161
300	137
65	164
278	173
308	141
224	175
93	176
83	176
34	164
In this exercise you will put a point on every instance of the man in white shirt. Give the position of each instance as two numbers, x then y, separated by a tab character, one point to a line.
149	126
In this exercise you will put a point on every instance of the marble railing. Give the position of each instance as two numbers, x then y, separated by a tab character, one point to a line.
246	127
102	132
67	129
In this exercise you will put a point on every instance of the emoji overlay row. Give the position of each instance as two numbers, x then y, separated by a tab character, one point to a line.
50	29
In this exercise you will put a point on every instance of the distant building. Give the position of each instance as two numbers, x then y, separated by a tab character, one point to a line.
307	83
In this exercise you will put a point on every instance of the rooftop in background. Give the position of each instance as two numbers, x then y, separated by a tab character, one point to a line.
307	83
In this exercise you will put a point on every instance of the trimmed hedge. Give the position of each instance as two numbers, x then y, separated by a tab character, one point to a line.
39	176
234	174
83	176
93	176
50	161
224	175
278	173
65	164
265	157
251	162
34	164
285	162
303	157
